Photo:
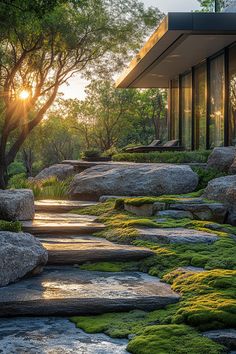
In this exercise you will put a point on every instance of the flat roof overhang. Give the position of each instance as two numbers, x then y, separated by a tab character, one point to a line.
182	41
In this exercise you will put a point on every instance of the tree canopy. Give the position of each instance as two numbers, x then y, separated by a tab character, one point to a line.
43	43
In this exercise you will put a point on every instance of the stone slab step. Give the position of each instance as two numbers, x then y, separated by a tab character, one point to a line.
53	335
61	224
78	250
176	235
69	291
60	206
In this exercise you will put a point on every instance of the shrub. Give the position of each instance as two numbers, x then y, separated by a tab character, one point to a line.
165	157
15	168
13	226
18	181
93	153
206	175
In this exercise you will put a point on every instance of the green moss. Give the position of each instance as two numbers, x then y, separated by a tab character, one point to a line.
99	209
168	199
110	266
172	339
13	226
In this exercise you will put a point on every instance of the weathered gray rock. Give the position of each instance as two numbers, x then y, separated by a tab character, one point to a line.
232	169
175	235
135	179
222	158
16	204
223	189
20	254
203	211
145	209
142	210
60	171
226	337
71	291
175	214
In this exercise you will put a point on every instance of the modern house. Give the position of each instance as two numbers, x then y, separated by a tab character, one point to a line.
194	56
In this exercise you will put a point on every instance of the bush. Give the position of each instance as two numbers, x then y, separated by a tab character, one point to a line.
13	226
93	153
49	188
15	168
206	175
18	181
165	157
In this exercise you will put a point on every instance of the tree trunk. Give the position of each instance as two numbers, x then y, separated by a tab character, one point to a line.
3	176
28	161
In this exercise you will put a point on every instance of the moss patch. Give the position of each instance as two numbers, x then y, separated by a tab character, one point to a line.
13	226
172	339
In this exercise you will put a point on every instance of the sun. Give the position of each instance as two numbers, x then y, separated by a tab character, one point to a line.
24	94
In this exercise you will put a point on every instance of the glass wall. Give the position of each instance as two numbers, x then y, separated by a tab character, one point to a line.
174	131
217	82
232	95
200	103
186	106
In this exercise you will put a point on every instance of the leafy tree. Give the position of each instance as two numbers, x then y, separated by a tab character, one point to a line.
41	50
211	5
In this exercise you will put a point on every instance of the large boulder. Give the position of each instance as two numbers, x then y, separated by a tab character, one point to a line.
224	189
60	171
16	204
133	180
232	169
222	158
20	254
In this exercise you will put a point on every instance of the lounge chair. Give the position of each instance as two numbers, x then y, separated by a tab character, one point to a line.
171	145
154	143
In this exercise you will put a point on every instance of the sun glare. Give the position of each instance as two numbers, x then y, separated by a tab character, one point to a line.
24	94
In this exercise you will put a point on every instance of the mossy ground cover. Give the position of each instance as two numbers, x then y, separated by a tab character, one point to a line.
208	298
13	226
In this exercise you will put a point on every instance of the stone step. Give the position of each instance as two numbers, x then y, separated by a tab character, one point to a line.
175	235
65	291
78	250
61	224
60	206
53	335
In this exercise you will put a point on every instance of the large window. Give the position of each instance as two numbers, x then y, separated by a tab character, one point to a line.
200	101
175	109
186	110
217	80
232	95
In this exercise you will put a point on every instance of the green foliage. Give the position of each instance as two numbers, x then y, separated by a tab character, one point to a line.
93	153
13	226
165	157
18	181
49	188
206	175
15	168
172	339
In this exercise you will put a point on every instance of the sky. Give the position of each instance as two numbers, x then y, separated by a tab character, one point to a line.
77	85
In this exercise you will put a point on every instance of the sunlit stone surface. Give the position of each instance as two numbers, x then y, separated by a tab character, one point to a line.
53	336
67	290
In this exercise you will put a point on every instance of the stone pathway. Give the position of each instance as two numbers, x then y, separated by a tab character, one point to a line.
78	250
68	291
60	206
53	336
61	224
